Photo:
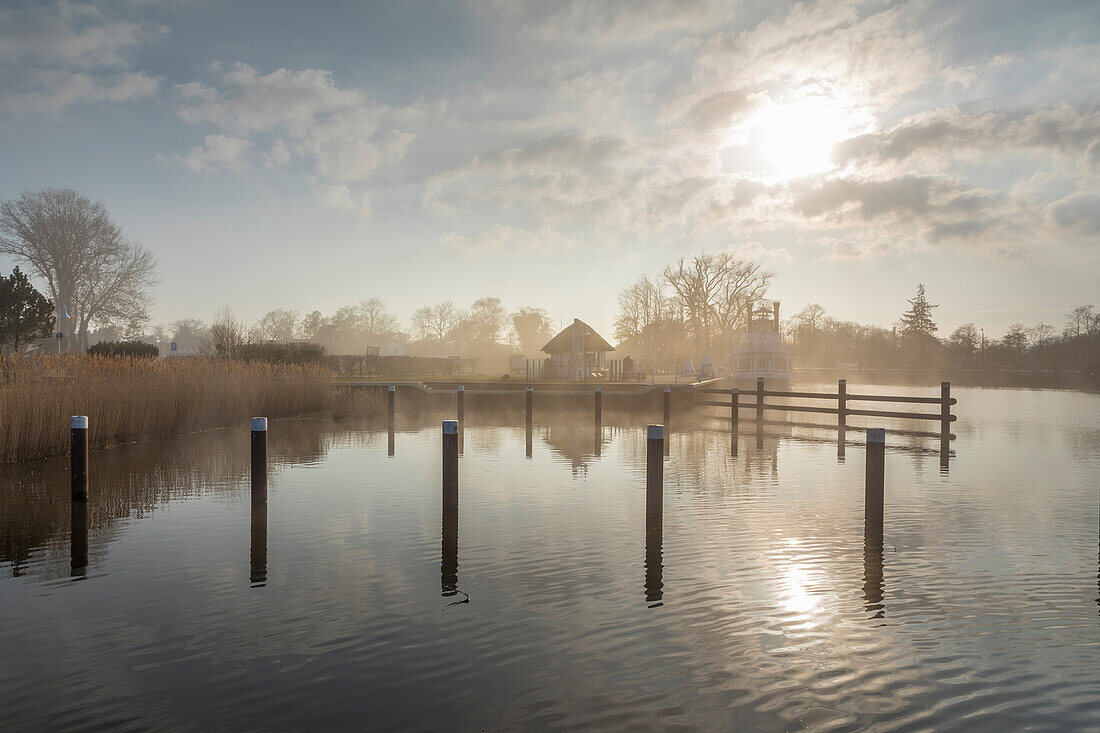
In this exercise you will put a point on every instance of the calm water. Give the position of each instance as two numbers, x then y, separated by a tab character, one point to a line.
548	602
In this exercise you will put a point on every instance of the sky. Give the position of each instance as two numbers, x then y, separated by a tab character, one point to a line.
310	155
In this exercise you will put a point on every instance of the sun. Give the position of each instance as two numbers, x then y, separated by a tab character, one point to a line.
796	138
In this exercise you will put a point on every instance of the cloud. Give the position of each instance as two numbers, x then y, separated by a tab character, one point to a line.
218	152
340	131
1079	212
57	55
339	197
619	22
57	89
69	35
1063	129
504	239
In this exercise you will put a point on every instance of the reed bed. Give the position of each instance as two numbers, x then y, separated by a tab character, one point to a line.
129	399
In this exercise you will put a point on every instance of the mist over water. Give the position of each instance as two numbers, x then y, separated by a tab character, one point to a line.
550	599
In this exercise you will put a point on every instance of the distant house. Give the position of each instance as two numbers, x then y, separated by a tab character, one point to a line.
577	353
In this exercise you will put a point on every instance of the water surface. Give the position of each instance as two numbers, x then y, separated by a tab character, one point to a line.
550	600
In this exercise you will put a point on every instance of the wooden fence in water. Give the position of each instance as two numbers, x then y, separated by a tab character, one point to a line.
842	398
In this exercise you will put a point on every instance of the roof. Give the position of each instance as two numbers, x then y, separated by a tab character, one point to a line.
563	342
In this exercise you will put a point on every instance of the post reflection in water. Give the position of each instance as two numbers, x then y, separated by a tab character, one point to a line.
873	573
654	564
390	438
598	439
258	555
448	565
530	439
78	554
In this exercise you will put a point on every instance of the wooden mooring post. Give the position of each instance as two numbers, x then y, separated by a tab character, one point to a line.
461	403
529	404
450	464
448	560
257	556
78	538
655	469
391	398
78	456
259	460
875	482
654	564
599	405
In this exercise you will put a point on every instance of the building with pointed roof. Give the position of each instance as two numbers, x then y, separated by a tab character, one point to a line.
578	353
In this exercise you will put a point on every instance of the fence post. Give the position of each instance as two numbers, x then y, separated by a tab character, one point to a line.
599	405
945	423
875	482
78	456
735	418
655	469
841	415
450	464
259	460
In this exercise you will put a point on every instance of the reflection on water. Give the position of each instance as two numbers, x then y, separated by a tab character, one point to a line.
763	602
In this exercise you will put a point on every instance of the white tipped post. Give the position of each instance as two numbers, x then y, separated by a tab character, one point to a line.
259	460
668	404
530	404
655	469
450	464
78	456
461	403
875	482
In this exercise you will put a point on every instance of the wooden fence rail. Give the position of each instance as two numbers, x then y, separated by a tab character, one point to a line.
842	410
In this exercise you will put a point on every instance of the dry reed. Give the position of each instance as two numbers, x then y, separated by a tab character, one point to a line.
130	399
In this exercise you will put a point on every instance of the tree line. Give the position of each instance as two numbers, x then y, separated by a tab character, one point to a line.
913	341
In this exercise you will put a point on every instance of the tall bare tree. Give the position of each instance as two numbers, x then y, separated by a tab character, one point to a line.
435	322
277	325
713	291
87	262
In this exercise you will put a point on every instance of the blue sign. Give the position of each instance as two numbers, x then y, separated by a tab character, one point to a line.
173	346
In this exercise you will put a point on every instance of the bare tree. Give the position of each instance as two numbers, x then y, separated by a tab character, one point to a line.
435	322
713	292
226	335
277	325
85	259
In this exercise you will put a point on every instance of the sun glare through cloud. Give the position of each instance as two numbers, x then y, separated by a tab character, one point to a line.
796	138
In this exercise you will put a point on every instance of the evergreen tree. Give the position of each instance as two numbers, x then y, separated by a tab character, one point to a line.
24	312
917	321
